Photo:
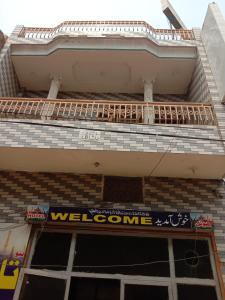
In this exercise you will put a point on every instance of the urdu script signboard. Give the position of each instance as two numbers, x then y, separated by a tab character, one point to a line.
73	215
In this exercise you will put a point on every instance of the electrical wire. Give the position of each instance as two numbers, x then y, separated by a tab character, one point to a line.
123	265
116	131
162	157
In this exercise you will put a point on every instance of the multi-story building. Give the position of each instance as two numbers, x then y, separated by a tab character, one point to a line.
112	134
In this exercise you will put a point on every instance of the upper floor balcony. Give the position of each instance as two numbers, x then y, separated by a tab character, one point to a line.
129	112
110	56
105	28
65	135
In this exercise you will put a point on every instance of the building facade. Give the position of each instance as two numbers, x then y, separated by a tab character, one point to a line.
112	159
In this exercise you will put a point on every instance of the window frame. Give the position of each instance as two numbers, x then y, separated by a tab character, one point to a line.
171	282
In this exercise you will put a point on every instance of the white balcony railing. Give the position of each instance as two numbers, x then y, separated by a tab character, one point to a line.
106	27
108	111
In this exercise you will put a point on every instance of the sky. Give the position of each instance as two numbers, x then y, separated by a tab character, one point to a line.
49	13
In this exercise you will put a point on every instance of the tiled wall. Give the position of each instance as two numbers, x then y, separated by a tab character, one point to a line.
198	89
111	136
19	189
204	64
8	80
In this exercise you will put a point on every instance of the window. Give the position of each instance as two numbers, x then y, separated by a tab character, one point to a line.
94	288
192	258
40	287
187	292
123	189
143	292
121	251
52	251
114	267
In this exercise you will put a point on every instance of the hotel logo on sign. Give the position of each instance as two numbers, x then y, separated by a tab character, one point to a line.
37	213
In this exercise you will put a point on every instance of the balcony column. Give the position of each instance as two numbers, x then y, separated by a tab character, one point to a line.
54	88
148	98
52	94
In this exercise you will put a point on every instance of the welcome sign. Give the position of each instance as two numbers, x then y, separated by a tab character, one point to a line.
118	217
74	215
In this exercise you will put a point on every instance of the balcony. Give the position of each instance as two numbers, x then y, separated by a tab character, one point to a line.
47	144
132	28
108	111
104	56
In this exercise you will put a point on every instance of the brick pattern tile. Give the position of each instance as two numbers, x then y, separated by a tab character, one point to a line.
8	80
18	189
204	86
111	136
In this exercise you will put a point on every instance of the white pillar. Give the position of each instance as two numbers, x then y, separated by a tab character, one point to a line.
52	94
148	97
54	88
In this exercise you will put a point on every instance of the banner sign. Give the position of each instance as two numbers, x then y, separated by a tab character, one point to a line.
73	215
118	217
13	243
